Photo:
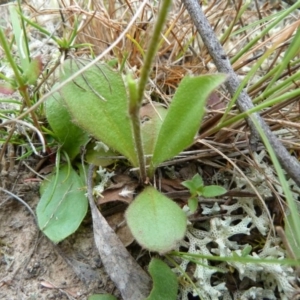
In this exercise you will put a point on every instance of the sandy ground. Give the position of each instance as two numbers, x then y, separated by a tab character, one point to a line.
31	267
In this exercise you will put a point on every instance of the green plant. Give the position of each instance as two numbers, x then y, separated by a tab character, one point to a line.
27	71
97	103
66	43
95	106
165	284
197	188
106	108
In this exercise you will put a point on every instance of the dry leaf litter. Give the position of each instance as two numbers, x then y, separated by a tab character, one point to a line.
214	237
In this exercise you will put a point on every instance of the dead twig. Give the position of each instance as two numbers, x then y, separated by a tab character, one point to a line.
289	163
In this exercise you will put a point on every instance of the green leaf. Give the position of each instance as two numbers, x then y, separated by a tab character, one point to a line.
246	251
133	93
191	186
99	157
98	103
291	237
184	116
197	180
212	191
33	71
165	284
289	54
6	88
70	136
156	222
152	117
102	297
194	184
20	38
62	207
193	204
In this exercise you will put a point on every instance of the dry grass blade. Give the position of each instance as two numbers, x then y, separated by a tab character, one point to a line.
118	32
20	200
244	103
243	175
131	280
276	41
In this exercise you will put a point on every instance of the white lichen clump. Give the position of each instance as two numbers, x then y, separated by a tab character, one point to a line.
105	176
215	238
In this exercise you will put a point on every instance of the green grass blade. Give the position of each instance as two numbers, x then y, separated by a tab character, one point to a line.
291	52
295	220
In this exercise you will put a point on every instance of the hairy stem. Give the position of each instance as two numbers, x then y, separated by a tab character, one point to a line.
152	48
136	94
137	135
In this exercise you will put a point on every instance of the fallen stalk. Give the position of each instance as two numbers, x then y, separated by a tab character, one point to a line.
289	163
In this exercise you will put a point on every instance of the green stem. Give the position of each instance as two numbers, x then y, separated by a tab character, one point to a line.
20	82
10	59
136	128
26	42
134	108
136	93
261	106
272	25
41	29
152	48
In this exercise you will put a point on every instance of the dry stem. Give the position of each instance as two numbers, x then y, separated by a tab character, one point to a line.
244	103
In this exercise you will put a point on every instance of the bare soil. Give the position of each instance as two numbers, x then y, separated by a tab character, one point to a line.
31	267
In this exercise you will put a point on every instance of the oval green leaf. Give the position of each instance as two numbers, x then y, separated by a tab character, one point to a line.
62	206
193	204
99	157
98	103
184	116
212	191
70	136
156	222
165	284
152	117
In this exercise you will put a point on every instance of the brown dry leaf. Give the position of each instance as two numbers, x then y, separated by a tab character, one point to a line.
120	180
151	116
117	195
117	222
131	280
121	190
215	102
171	185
